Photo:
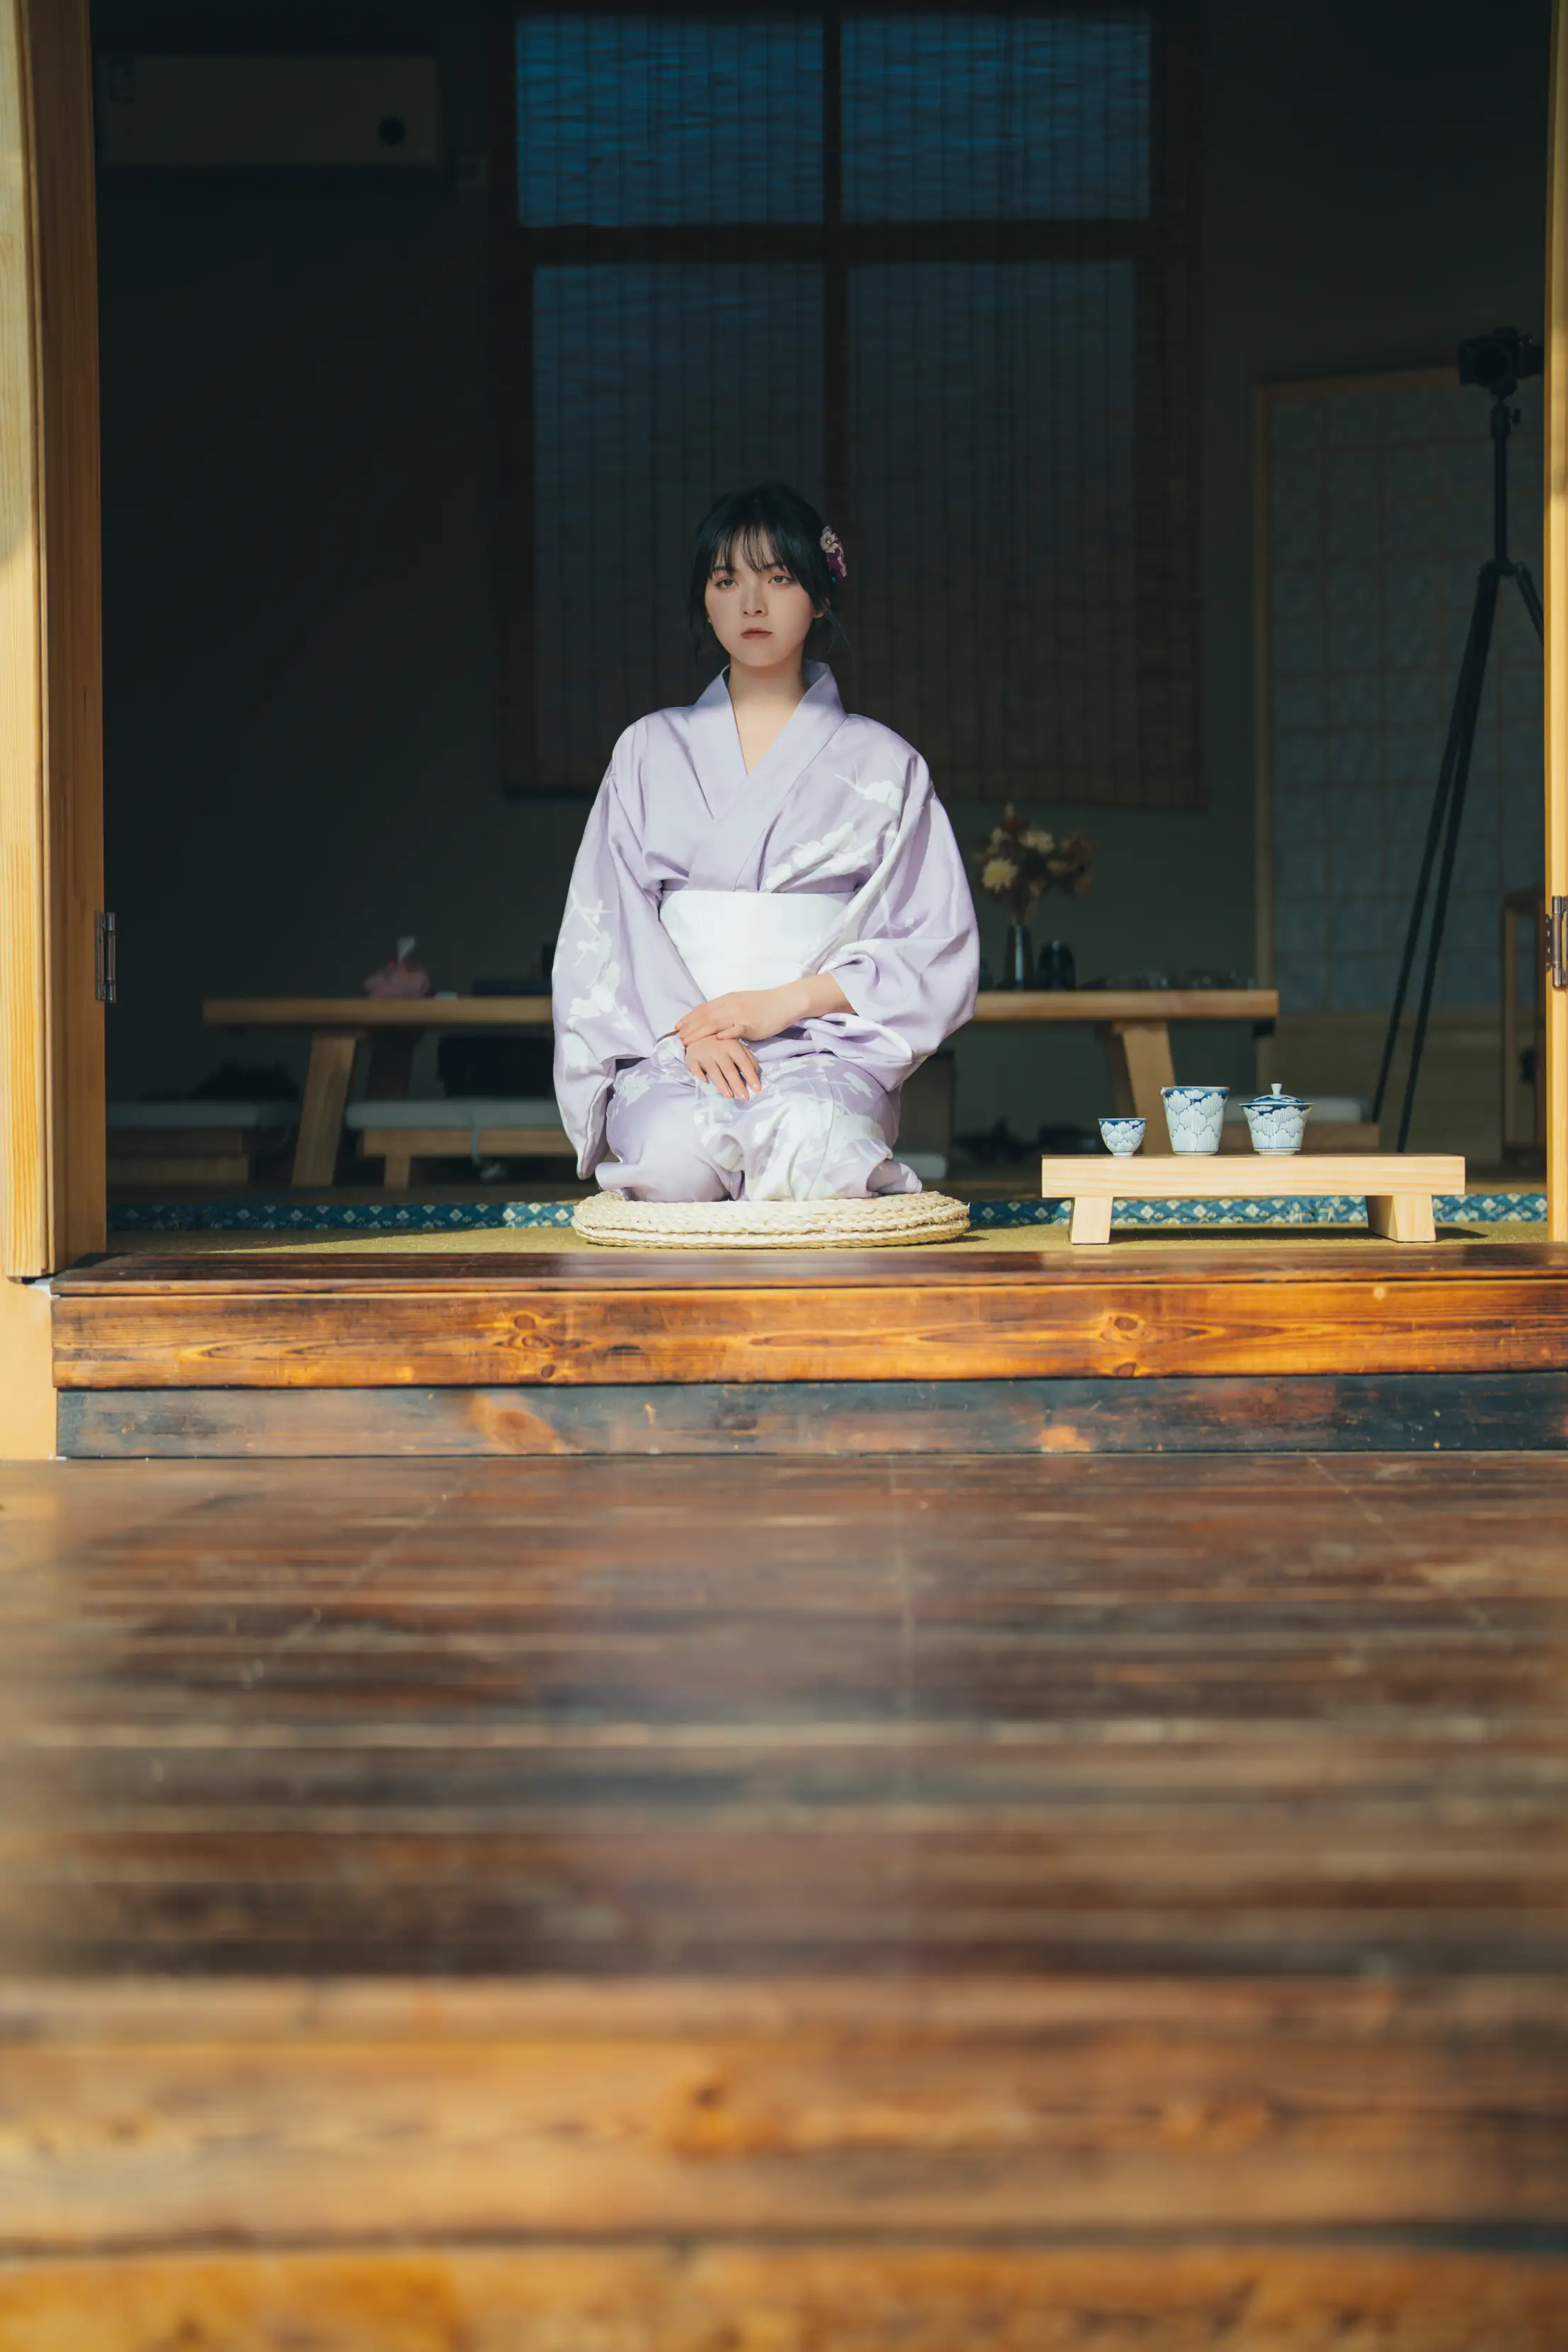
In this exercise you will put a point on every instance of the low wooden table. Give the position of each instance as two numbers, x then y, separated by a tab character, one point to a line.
1398	1186
1134	1025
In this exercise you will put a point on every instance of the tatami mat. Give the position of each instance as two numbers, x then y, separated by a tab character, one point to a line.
507	1241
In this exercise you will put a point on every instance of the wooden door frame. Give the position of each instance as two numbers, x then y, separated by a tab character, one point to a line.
1556	603
52	1205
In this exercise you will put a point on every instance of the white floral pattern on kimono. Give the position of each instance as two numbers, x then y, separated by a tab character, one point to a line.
839	807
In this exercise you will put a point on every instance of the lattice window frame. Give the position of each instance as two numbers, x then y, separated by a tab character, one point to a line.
1166	772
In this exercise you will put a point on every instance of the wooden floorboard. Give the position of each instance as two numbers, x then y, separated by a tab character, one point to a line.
1237	1257
691	1905
1254	1306
816	2298
1391	1412
613	1718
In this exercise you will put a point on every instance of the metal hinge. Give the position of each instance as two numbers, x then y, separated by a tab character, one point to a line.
1557	942
104	959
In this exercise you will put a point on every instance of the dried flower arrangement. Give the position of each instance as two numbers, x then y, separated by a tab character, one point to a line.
1018	862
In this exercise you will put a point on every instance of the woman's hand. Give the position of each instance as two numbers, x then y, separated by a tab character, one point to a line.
722	1063
758	1012
752	1013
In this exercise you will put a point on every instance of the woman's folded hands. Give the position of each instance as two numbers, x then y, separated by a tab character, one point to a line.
757	1013
712	1033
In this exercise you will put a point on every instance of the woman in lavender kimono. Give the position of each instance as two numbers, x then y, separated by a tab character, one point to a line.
769	925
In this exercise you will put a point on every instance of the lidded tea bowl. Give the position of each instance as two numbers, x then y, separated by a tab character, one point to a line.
1276	1121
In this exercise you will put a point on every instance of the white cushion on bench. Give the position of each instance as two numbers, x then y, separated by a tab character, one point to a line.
462	1112
168	1116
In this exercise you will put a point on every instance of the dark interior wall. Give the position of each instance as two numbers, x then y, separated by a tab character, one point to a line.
299	636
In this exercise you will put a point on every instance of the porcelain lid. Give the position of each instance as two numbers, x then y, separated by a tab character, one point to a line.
1276	1100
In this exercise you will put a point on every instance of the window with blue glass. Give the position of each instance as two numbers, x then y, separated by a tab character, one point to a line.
987	117
623	122
929	264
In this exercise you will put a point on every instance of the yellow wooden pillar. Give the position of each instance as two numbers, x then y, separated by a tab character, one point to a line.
51	782
1556	603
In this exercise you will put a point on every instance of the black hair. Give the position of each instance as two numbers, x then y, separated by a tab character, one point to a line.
768	523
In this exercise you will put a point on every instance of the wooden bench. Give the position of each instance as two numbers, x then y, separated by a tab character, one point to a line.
205	1142
1398	1187
470	1126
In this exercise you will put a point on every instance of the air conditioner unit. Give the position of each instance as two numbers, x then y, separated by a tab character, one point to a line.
268	114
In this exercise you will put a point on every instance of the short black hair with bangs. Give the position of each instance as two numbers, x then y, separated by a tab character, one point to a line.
770	520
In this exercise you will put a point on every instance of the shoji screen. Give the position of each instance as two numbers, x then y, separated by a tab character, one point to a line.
1377	516
927	265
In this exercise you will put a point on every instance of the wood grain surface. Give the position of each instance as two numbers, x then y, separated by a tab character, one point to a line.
1313	1306
1260	2122
52	1164
25	1233
1239	1257
1217	1176
1393	1413
612	1717
1555	595
59	43
818	2297
688	1905
1014	1004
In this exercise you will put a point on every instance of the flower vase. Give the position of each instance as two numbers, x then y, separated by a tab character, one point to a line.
1018	958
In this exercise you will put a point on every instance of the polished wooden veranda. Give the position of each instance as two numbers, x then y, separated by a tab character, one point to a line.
1323	1338
682	1904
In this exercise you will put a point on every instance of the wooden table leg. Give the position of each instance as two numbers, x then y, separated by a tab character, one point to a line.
1138	1055
1401	1216
1091	1218
322	1112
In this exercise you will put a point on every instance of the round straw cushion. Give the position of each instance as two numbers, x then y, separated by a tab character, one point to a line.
892	1221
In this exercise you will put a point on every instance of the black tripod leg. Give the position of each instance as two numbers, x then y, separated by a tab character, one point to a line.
1468	706
1429	853
1528	590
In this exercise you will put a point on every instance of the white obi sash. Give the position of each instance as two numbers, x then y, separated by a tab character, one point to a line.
750	938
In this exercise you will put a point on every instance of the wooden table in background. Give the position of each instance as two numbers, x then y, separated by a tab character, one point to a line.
1133	1025
339	1025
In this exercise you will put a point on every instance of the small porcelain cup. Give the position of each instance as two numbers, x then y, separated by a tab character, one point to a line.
1278	1121
1193	1116
1122	1136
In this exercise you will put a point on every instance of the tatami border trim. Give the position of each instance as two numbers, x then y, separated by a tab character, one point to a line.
470	1216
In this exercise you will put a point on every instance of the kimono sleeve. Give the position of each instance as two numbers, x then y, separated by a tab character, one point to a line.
617	984
909	963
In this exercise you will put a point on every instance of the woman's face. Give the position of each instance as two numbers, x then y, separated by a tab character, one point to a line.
761	619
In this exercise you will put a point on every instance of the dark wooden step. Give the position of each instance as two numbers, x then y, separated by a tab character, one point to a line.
1357	1414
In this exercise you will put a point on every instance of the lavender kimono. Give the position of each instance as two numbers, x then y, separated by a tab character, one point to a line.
833	855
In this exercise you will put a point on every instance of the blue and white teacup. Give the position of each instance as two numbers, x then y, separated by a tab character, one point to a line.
1278	1121
1122	1136
1194	1116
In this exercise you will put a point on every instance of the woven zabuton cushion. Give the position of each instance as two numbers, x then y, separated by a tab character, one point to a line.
894	1220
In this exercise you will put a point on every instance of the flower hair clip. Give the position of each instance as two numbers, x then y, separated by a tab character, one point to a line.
832	549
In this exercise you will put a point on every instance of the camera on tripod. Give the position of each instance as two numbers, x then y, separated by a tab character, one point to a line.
1499	363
